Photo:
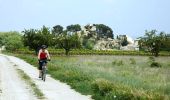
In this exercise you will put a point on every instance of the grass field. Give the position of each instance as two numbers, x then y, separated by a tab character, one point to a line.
112	77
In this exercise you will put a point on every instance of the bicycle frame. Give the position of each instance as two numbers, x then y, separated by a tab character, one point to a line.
44	70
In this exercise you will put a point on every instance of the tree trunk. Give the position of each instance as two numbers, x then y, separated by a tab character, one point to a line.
67	52
156	54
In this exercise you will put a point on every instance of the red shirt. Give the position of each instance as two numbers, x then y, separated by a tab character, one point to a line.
43	55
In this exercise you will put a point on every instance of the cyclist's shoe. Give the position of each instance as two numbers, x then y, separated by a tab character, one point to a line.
39	77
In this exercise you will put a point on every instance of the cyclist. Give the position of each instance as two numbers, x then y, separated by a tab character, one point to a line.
42	55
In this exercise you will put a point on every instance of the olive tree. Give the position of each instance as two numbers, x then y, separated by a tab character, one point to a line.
68	41
35	38
152	41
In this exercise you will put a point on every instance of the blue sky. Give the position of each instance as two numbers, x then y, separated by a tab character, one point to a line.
131	17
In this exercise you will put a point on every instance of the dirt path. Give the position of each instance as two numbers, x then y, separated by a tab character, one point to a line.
11	86
52	89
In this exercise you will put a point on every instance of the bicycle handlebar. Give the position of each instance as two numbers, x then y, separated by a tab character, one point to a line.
44	60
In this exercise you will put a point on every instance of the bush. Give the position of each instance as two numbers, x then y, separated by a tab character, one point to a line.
119	95
11	40
90	44
118	63
105	90
102	87
151	59
114	62
155	64
169	65
132	61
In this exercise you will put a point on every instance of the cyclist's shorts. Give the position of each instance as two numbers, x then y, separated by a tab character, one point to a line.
41	64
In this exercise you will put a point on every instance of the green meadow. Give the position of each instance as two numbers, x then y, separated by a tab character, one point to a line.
108	77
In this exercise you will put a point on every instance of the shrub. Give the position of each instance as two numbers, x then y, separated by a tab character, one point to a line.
119	95
11	40
132	61
101	87
155	64
151	59
120	63
114	62
169	65
105	90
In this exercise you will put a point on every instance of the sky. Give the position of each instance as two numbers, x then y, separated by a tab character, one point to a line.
130	17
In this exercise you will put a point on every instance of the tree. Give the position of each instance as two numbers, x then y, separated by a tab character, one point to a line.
90	44
58	29
152	42
68	41
104	31
124	42
1	41
11	40
29	38
35	38
74	28
166	43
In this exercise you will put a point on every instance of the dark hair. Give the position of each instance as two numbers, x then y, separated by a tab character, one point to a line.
43	46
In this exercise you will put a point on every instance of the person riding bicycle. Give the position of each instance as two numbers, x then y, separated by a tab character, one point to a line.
43	55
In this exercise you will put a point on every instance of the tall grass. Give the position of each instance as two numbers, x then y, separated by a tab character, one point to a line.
111	77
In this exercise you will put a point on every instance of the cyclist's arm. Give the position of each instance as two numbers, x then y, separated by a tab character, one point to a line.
48	55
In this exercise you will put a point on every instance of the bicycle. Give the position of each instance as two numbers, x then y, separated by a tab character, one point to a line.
44	69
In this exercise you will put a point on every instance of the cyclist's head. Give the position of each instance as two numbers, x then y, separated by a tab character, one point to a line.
43	47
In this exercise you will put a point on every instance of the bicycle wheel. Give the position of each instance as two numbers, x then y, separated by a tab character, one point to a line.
44	75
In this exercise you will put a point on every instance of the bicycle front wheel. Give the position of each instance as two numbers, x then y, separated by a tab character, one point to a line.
44	75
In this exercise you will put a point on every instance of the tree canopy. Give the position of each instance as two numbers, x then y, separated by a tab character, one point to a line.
152	41
74	28
35	38
68	41
11	40
104	31
58	29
